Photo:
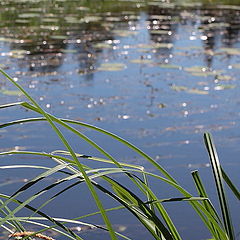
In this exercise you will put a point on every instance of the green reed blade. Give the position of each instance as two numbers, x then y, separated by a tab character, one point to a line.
231	185
69	148
207	204
217	172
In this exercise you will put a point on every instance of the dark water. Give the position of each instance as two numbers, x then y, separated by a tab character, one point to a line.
158	73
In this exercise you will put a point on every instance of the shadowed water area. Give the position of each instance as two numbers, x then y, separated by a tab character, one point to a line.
158	73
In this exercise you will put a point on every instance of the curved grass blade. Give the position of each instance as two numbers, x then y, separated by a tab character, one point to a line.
231	185
207	204
4	196
162	211
195	205
128	144
64	141
217	172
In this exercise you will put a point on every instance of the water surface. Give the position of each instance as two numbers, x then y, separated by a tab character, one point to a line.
158	73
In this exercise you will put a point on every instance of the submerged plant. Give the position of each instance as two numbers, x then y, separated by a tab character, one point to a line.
145	206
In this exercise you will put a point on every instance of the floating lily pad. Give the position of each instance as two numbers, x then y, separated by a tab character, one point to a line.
70	19
189	90
190	48
203	74
224	77
113	19
160	32
196	69
156	45
230	51
141	61
91	19
10	40
224	87
201	71
102	45
197	91
237	65
112	67
215	25
124	33
10	92
49	20
29	15
18	53
49	27
22	21
68	50
179	88
170	66
59	37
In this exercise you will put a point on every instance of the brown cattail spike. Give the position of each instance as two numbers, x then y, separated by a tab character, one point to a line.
25	234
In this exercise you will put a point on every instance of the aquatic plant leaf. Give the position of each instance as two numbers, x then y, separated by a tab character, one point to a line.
102	45
179	88
70	19
197	91
224	77
141	61
189	90
196	69
29	15
224	87
59	37
68	50
230	51
125	33
155	45
160	32
4	39
49	20
169	66
88	19
237	65
10	92
112	67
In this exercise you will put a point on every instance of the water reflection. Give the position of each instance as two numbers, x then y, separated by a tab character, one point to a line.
44	35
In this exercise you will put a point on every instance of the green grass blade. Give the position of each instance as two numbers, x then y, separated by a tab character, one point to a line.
216	167
64	141
114	136
11	105
208	206
230	184
45	216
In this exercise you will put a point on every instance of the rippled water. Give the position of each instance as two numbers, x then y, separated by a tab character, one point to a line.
157	73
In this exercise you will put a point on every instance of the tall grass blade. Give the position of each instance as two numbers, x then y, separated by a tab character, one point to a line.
217	172
231	185
45	216
207	204
65	142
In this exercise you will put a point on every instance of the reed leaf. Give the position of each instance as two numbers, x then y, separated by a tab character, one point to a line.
218	176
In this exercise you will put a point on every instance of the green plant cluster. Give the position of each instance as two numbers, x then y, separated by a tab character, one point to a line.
149	211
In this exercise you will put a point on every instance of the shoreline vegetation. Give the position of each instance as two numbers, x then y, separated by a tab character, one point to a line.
148	209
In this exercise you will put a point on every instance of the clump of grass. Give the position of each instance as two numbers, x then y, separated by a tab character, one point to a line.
146	207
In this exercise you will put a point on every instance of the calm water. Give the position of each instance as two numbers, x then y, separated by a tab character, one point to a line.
157	73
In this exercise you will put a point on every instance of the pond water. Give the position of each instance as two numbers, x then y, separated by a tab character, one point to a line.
158	73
